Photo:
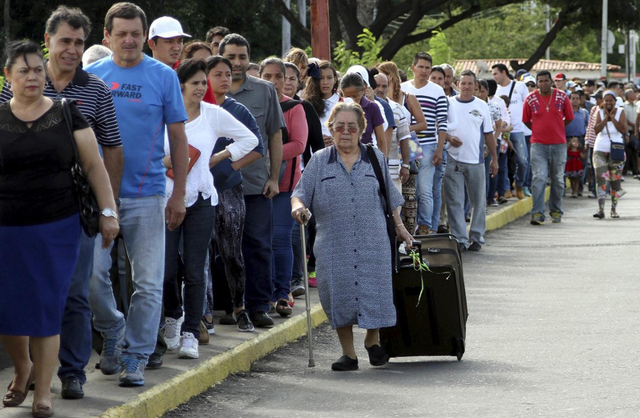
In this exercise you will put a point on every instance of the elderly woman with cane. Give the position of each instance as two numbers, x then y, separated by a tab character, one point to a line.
352	243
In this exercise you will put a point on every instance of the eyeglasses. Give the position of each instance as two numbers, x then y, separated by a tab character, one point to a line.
530	85
341	128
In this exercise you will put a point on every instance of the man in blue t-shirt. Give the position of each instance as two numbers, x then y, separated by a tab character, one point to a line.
147	97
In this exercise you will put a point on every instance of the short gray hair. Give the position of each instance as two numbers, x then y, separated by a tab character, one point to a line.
446	67
94	53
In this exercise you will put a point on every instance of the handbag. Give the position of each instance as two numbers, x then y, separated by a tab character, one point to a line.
388	213
89	209
617	149
194	154
415	149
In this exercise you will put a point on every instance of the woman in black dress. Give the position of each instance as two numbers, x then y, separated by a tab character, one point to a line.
39	222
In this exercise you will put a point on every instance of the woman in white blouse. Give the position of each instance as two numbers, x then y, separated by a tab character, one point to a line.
205	125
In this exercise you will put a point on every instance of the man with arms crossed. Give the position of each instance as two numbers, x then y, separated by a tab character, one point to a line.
434	105
147	97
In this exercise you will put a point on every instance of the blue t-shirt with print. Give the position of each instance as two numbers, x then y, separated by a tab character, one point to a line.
147	97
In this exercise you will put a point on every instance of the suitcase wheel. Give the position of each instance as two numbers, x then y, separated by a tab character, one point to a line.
459	344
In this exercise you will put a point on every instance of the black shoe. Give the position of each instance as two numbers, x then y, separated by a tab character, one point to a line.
474	246
377	356
345	364
71	388
462	247
599	214
154	362
261	320
442	229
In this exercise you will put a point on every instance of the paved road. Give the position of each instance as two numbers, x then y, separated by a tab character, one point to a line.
552	332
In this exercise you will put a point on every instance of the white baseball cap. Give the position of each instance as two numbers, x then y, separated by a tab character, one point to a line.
529	79
166	27
359	69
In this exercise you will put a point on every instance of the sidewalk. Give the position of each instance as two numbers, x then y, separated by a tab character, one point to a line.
228	352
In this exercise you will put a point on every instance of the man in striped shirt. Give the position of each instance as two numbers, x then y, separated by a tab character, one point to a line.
66	32
434	105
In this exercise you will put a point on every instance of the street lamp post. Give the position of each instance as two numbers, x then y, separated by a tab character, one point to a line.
605	42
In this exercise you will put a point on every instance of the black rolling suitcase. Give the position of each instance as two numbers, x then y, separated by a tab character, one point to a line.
436	324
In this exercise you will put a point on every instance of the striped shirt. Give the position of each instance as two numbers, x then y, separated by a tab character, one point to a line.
93	99
434	105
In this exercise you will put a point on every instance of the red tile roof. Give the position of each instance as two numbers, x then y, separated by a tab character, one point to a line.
550	65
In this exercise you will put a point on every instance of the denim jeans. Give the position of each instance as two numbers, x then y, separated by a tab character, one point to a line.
196	232
437	191
142	225
282	262
257	250
297	272
522	157
503	174
457	176
548	161
75	335
424	186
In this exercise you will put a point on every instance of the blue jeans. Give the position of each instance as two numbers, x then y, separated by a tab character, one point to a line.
257	250
547	161
457	176
522	157
196	232
503	174
142	225
282	251
437	191
75	335
424	186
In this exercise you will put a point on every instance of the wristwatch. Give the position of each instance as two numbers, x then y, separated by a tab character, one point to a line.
407	166
109	213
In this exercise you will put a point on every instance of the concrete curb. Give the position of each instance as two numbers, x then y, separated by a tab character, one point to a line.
166	396
158	400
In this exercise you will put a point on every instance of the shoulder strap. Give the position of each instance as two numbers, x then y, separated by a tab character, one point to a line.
513	86
289	104
66	112
375	164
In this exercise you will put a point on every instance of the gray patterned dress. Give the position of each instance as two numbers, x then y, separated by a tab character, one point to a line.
352	246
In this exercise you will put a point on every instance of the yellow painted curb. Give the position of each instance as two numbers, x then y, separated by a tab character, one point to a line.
512	212
161	398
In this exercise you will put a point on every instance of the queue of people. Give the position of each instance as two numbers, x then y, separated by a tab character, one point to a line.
202	161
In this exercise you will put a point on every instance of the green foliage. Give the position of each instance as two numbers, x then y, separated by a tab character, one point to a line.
345	58
439	49
1	82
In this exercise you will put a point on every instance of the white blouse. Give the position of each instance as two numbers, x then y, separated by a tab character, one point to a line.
604	138
202	133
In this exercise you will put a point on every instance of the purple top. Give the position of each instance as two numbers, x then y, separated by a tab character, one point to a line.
374	118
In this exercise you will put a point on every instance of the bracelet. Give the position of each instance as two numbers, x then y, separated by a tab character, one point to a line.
400	224
407	166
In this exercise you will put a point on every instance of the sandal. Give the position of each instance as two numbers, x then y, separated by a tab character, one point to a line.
41	411
283	308
15	397
614	214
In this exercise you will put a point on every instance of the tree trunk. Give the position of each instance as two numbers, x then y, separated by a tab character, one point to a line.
7	20
563	20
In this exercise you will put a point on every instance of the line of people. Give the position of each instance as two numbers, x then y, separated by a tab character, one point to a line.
200	162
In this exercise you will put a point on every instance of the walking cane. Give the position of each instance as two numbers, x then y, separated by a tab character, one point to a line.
307	297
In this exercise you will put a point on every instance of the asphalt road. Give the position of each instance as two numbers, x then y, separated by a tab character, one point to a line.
552	332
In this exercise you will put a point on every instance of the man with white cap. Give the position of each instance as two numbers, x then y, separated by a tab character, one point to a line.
387	114
165	40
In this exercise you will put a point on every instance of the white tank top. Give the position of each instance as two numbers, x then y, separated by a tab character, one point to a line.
608	134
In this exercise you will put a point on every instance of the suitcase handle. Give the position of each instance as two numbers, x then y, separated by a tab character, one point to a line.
406	260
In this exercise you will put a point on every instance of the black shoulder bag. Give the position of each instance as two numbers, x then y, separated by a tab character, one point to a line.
89	209
391	224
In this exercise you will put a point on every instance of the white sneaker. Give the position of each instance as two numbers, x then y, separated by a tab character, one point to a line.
188	346
172	332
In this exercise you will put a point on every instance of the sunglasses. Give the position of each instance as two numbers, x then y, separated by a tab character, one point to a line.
342	128
530	85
